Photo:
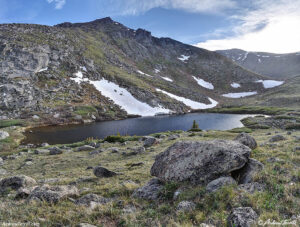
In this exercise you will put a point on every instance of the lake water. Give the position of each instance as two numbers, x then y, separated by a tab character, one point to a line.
134	126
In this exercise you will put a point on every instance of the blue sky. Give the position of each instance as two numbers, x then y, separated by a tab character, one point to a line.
256	25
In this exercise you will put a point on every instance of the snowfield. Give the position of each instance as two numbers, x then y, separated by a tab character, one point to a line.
194	105
123	98
156	70
167	79
270	83
184	58
203	83
235	85
239	95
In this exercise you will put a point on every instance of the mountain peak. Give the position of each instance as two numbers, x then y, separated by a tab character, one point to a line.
102	21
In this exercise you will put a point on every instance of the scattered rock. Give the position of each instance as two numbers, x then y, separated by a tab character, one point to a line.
53	194
218	183
41	151
45	145
277	138
150	141
296	149
114	150
246	174
16	182
85	148
95	152
136	151
55	151
242	217
247	140
91	201
289	133
3	135
200	162
23	193
186	206
173	137
3	172
252	187
136	164
103	172
150	191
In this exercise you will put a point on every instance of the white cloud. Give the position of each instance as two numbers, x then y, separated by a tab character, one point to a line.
271	27
134	7
59	4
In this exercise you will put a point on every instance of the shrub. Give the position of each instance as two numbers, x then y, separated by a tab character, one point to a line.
115	138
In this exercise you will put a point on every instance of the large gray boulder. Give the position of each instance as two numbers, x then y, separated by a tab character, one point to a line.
16	182
103	172
220	182
3	135
55	151
242	217
276	138
246	174
200	162
150	141
53	194
150	191
247	140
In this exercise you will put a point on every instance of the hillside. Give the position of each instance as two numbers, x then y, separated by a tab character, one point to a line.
276	66
103	70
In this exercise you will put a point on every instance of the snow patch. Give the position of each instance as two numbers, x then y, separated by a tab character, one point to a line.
259	60
123	98
191	103
42	70
184	58
83	68
156	70
142	73
270	83
245	56
235	85
167	79
239	95
203	83
79	78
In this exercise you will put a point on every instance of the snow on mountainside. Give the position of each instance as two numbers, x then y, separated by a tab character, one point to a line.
276	66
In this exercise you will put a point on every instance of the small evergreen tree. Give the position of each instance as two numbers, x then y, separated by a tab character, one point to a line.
195	127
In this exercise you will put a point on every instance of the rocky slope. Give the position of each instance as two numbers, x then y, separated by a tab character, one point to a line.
276	66
79	72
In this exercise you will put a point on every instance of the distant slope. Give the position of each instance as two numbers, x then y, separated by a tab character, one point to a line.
277	66
287	95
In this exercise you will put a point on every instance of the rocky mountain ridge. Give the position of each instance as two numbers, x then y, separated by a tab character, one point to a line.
276	66
50	73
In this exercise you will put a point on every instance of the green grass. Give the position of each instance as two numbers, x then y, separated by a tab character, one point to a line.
84	111
249	110
8	123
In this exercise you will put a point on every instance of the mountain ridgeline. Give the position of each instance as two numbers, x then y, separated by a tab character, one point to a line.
85	71
277	66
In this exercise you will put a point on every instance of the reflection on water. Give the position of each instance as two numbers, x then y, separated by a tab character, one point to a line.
133	126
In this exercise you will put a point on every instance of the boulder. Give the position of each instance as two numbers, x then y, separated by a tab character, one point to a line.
252	187
55	151
23	193
200	162
150	191
150	141
103	172
296	149
242	217
45	145
41	151
95	152
85	148
173	137
91	200
53	194
16	182
186	206
247	140
246	174
1	161
3	135
277	138
218	183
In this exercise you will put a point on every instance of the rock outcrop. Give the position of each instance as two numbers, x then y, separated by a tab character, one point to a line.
16	182
242	217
